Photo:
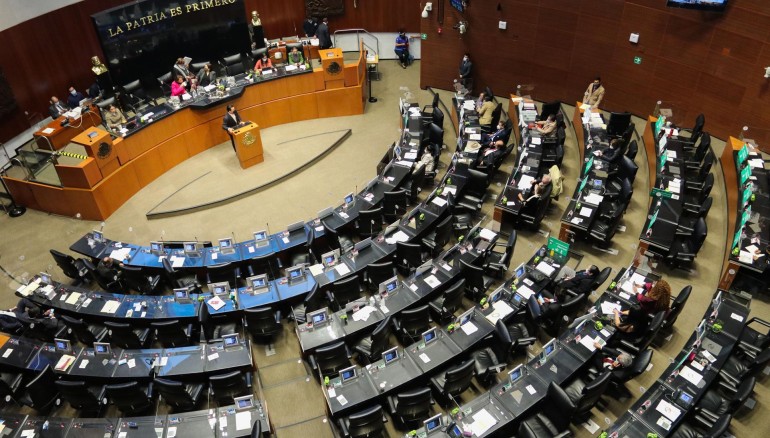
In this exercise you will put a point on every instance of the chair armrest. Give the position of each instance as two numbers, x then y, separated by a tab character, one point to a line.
248	380
523	342
313	364
630	347
396	325
391	405
729	379
149	391
725	386
102	393
330	296
348	352
565	434
343	428
188	330
277	316
712	417
704	421
572	293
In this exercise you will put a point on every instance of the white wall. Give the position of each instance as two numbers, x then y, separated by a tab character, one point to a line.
13	12
387	40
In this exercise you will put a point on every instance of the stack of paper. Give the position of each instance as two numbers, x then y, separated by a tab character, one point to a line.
363	313
73	298
525	182
120	254
398	236
525	292
64	362
545	268
593	198
216	303
608	308
111	306
482	422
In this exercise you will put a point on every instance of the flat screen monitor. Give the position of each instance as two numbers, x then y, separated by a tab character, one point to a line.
219	289
318	317
515	374
260	237
45	278
348	374
717	301
230	340
295	226
258	283
700	331
466	316
156	247
496	295
429	336
330	258
102	349
521	270
433	423
388	286
63	345
706	5
244	403
190	248
350	198
226	244
97	236
685	400
391	355
182	295
549	348
295	273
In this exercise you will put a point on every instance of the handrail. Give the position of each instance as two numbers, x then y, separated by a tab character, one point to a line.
358	31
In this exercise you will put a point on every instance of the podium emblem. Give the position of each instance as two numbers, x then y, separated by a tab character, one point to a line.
104	151
249	139
334	68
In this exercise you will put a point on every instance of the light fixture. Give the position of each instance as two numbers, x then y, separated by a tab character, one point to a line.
767	72
428	7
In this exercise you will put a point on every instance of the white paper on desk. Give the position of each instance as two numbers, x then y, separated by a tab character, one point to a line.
752	249
177	262
545	268
363	313
638	278
487	234
122	434
424	357
83	363
384	309
316	269
213	356
450	189
469	328
586	212
216	303
525	292
525	182
594	199
432	281
745	257
576	220
111	306
398	236
607	308
414	287
343	214
131	363
342	400
342	269
171	432
439	201
670	411
673	188
163	361
757	163
286	240
502	309
482	422
86	303
332	393
7	352
243	420
214	255
73	298
736	317
536	140
588	342
624	295
120	254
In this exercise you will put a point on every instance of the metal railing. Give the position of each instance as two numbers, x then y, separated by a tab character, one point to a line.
360	34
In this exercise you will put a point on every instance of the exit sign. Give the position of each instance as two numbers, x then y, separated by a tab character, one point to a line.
637	59
424	36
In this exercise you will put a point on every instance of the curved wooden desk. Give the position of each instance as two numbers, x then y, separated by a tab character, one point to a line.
156	148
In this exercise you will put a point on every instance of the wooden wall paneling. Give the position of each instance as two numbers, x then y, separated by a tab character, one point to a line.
729	69
687	42
175	150
752	24
118	188
21	192
650	24
338	102
611	10
148	166
86	204
735	46
303	107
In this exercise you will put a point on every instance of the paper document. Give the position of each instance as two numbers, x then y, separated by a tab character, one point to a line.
316	269
439	201
586	212
537	140
577	220
487	234
398	236
432	281
525	182
47	130
243	420
588	342
342	269
545	268
607	308
73	298
120	254
410	155
469	328
585	106
691	375
502	309
594	199
177	262
482	422
745	257
111	306
525	292
216	303
670	411
363	313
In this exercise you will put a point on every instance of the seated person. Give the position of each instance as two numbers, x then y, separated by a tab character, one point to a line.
178	86
57	108
180	69
19	318
547	127
486	110
500	135
610	359
656	299
612	154
263	63
538	188
295	57
491	154
73	100
206	76
480	101
114	118
631	323
580	282
402	49
107	270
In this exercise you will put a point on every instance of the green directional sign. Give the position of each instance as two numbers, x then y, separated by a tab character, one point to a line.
637	60
658	193
558	247
743	153
424	36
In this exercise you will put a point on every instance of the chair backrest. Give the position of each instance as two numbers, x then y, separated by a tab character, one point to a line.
592	392
42	390
76	393
165	80
256	429
745	389
618	123
443	232
477	182
257	53
705	207
380	337
633	148
601	278
708	184
474	277
228	385
223	272
122	335
394	203
418	177
627	168
66	263
196	66
534	308
415	321
549	108
366	423
105	104
232	59
347	290
170	333
132	86
700	231
652	330
758	363
458	379
558	407
438	117
173	392
414	404
408	255
637	367
435	134
79	328
677	306
510	245
332	358
128	397
260	320
496	114
453	297
719	427
314	299
379	272
370	222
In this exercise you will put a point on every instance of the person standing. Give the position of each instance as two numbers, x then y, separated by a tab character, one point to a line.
402	48
322	33
594	93
466	71
309	27
230	122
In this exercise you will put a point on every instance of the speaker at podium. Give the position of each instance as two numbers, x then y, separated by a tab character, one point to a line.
248	144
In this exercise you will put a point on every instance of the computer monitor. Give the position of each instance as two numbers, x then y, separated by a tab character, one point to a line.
258	283
348	374
231	340
102	349
261	238
579	327
466	316
429	336
219	289
515	374
244	403
226	244
700	331
97	236
350	199
362	245
295	226
397	152
496	295
156	248
391	355
548	348
717	301
684	399
521	270
433	423
182	295
295	273
63	345
318	318
191	249
388	286
45	278
330	258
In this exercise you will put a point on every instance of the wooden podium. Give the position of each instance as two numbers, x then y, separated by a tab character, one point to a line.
248	145
333	66
100	147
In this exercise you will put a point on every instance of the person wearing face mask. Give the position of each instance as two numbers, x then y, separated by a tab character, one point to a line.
594	93
57	107
499	136
466	69
263	63
402	48
73	100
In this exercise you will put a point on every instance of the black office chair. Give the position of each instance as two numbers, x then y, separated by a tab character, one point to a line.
687	220
70	267
633	149
309	254
197	66
134	95
618	201
80	396
434	141
233	65
223	272
723	399
640	343
369	223
41	392
164	82
512	338
134	278
497	262
104	107
363	424
437	117
553	417
622	375
394	205
627	169
546	321
496	114
618	123
532	215
371	347
548	108
225	387
257	54
696	173
172	333
677	305
414	185
410	324
585	394
329	360
694	159
476	283
736	369
454	381
180	396
444	307
337	240
603	229
130	398
314	300
214	327
684	249
695	132
256	430
428	109
109	284
344	291
85	333
175	279
702	428
435	241
473	193
127	336
753	339
10	385
408	257
410	408
262	323
376	273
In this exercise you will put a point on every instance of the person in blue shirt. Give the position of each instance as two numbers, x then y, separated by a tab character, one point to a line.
73	100
402	48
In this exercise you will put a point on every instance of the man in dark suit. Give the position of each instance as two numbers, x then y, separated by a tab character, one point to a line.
466	70
581	282
230	122
73	100
310	26
57	108
611	154
322	33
